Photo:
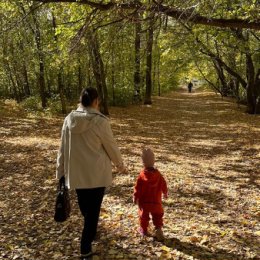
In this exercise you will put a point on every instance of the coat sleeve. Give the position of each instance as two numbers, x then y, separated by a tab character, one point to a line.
60	158
109	143
137	190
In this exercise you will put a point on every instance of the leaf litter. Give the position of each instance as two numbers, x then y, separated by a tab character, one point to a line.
207	148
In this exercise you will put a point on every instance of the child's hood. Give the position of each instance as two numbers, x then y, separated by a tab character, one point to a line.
152	176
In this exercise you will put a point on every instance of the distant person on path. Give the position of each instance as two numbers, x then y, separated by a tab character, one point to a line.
84	159
148	190
190	85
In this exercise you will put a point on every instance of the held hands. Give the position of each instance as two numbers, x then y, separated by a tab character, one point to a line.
165	195
135	201
121	168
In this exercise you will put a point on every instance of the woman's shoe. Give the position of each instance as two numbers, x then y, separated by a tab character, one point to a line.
87	256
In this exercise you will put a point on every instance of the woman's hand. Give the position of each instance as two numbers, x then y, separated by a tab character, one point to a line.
121	168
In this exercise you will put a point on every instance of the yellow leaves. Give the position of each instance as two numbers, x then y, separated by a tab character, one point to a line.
164	253
204	240
104	216
10	247
223	233
57	255
257	233
211	206
165	248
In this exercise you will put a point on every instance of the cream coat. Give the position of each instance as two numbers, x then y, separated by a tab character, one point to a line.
87	149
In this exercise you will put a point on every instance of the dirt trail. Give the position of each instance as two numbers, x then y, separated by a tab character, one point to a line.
207	148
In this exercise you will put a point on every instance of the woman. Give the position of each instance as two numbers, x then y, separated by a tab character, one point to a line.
84	159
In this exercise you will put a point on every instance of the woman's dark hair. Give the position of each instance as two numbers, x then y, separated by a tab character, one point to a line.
87	96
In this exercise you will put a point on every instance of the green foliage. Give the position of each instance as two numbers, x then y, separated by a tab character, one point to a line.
32	104
122	97
176	55
10	107
54	105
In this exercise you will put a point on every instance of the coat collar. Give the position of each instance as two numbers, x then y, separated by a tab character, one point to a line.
89	110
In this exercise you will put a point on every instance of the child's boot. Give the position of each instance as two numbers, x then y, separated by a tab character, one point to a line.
159	234
143	232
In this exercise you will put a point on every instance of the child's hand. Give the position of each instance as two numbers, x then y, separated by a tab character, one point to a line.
121	168
135	201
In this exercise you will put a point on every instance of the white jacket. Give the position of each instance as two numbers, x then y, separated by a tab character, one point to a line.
87	149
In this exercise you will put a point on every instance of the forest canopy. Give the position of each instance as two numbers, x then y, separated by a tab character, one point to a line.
129	50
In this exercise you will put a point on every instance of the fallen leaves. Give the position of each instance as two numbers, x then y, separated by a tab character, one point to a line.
208	152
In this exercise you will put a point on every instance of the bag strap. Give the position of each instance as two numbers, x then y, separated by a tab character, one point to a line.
62	183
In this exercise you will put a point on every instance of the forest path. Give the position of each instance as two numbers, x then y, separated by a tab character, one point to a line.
207	148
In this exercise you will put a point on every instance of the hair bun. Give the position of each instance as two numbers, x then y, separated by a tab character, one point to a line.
88	95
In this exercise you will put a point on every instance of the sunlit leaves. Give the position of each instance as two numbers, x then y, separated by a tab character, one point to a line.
205	147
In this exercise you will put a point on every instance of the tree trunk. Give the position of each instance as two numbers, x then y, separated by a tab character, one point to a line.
148	76
41	76
251	90
26	85
224	87
24	73
257	90
14	88
252	87
61	91
98	70
137	73
113	81
80	79
60	73
158	72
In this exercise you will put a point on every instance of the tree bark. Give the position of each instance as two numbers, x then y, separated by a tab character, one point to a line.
257	90
80	78
148	76
61	91
26	85
60	72
224	88
41	75
98	70
24	73
252	88
137	73
113	81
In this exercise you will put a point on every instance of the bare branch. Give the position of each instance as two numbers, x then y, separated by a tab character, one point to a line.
257	37
77	38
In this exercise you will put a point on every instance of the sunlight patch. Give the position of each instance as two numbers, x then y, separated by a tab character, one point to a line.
39	142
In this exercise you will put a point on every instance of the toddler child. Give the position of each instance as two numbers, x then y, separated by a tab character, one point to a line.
148	190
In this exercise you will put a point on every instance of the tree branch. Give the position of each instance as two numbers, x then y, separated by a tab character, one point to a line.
209	53
14	25
170	11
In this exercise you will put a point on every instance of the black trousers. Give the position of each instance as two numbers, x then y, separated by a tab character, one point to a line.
90	201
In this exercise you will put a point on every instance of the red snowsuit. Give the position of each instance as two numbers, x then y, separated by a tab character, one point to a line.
148	190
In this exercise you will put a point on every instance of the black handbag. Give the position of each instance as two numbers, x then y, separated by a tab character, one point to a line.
62	206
